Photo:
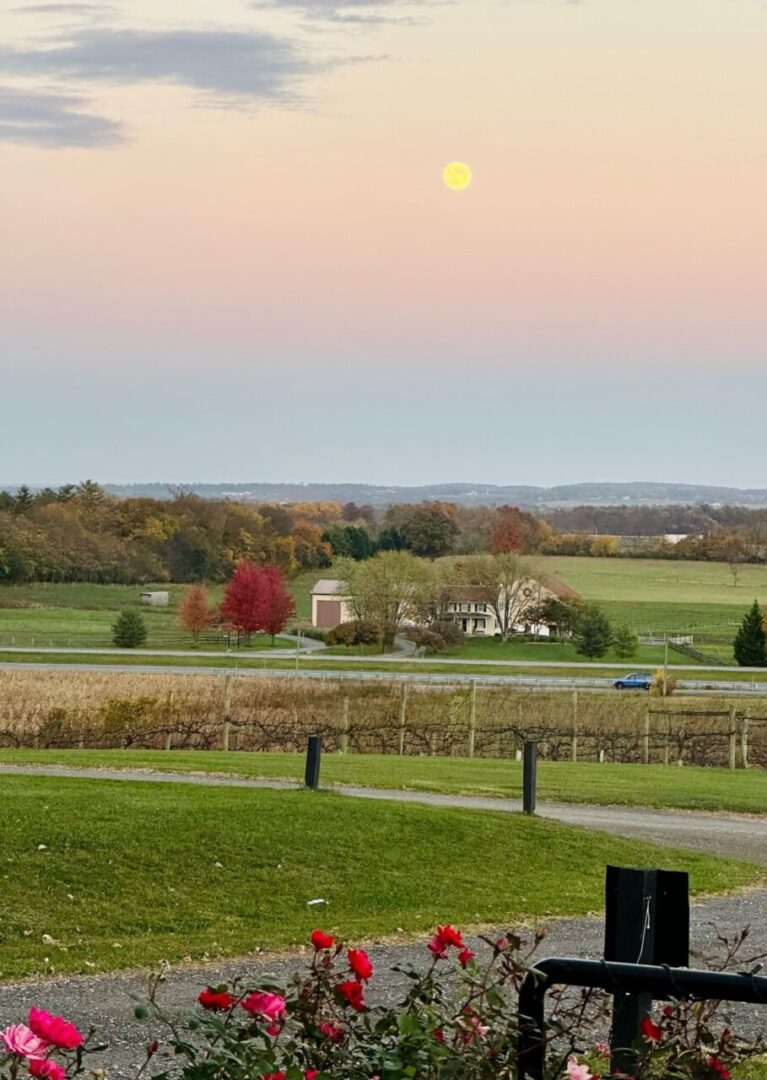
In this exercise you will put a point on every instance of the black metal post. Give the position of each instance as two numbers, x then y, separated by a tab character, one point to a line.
529	768
647	921
312	773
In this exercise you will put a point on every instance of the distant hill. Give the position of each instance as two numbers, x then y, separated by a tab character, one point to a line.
637	493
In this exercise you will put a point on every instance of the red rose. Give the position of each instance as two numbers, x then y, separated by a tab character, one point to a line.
439	1035
54	1029
311	1074
45	1069
352	993
360	964
718	1068
321	940
274	1076
330	1031
438	947
650	1030
153	1047
464	956
215	1002
448	935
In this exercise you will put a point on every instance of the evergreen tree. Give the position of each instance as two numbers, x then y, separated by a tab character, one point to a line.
625	642
129	630
594	634
749	644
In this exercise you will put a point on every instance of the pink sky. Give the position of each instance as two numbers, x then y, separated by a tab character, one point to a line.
617	220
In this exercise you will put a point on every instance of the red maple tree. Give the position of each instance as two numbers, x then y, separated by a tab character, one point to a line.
256	599
241	604
277	605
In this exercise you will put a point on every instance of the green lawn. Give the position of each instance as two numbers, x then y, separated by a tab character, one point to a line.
74	615
689	788
126	874
491	648
661	594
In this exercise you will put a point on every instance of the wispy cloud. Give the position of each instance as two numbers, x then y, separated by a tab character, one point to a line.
39	118
63	9
245	65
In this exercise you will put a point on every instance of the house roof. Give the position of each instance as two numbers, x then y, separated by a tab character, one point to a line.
327	586
559	588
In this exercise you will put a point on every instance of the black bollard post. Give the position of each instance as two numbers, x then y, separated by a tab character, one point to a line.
647	921
530	762
312	774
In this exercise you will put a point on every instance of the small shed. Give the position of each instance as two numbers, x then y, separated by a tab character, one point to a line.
329	606
156	598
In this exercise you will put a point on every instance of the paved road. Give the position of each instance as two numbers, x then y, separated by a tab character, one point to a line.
532	682
741	836
402	645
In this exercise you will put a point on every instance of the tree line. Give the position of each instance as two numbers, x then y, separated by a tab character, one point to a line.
80	533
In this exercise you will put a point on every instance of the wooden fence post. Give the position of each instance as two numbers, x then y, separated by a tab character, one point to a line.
343	742
733	733
668	740
646	739
574	737
402	718
744	741
227	710
472	717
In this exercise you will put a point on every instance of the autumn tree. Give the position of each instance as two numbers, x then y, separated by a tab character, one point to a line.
385	590
240	606
275	606
195	612
430	530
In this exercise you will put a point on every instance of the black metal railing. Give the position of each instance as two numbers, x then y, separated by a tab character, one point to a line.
657	981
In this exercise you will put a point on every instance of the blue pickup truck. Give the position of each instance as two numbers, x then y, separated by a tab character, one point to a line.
637	680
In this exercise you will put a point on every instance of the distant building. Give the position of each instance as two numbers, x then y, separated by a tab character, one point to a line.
155	599
329	607
675	538
467	607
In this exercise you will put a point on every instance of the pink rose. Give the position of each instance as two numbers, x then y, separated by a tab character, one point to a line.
46	1069
578	1072
54	1029
268	1006
20	1041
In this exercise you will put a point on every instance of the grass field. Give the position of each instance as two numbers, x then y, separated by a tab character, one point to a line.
688	788
664	595
74	615
119	875
647	594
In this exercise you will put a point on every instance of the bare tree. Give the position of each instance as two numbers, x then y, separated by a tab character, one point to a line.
506	582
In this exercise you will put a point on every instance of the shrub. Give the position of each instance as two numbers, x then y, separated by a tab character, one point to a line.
658	684
129	630
450	632
357	632
426	639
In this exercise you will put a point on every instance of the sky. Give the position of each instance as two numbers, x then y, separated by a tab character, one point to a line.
227	253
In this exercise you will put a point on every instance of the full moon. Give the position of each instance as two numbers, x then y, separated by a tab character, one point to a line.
457	176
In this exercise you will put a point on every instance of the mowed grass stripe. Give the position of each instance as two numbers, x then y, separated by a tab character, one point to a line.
126	874
688	788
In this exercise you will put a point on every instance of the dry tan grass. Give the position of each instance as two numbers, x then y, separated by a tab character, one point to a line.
111	709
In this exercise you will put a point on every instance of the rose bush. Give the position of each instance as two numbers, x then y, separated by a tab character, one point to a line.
456	1021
